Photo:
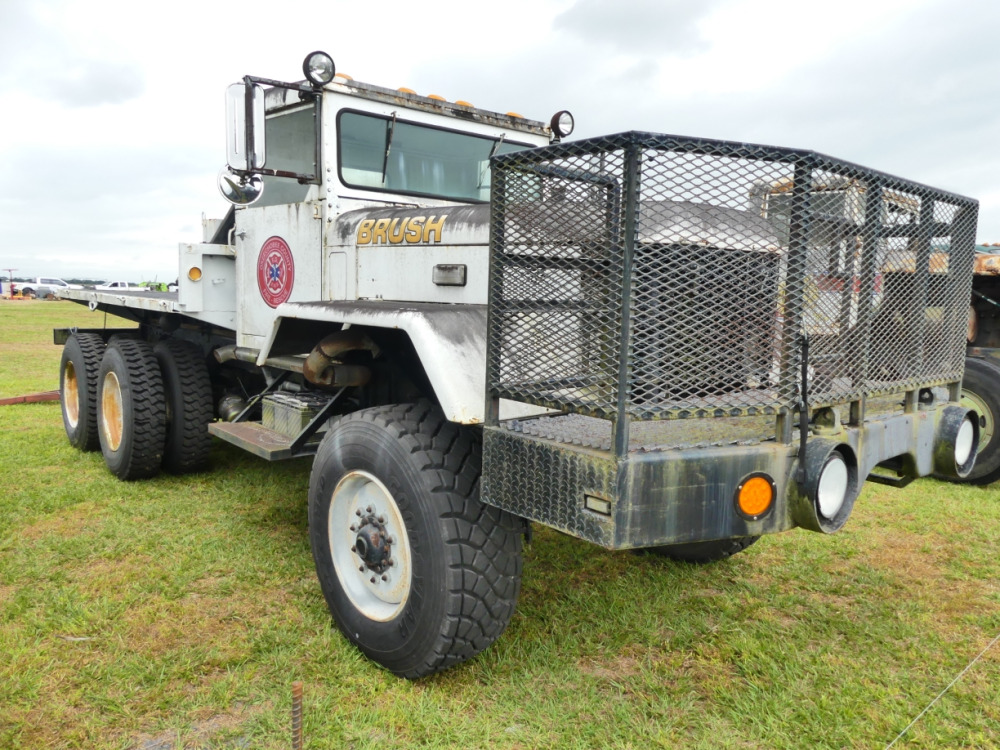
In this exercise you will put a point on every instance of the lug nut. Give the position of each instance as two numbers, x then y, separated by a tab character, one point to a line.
353	527
354	548
369	509
381	519
373	579
362	568
385	578
357	512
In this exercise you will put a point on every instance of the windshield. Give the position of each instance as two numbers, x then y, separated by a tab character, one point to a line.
385	153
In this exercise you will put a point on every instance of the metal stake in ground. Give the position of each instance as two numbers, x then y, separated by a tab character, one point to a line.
297	715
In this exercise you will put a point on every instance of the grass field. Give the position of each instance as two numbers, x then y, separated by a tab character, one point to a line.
177	612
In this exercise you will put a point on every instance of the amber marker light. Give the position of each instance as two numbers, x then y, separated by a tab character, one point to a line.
194	273
755	496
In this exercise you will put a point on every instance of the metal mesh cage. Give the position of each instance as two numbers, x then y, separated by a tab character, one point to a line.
643	276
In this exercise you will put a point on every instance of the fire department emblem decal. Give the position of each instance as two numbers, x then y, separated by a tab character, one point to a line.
275	271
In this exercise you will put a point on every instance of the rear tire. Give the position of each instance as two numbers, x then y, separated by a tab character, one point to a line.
703	552
188	390
78	382
131	412
407	481
981	391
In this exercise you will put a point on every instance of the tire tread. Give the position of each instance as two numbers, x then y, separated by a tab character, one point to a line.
485	574
188	443
148	412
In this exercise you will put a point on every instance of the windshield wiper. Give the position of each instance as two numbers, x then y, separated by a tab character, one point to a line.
493	152
388	145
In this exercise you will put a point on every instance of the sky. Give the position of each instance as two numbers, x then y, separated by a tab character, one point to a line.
112	132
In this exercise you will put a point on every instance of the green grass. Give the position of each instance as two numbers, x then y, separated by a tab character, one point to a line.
177	612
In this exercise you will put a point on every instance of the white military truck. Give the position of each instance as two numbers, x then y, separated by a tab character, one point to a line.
636	339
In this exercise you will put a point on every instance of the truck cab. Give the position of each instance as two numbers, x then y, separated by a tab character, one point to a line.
358	193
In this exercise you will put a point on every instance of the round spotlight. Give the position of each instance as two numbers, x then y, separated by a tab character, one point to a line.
562	123
318	67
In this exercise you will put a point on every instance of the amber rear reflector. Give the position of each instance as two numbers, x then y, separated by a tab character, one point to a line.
755	495
194	273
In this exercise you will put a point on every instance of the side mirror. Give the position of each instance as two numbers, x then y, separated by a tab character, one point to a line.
245	126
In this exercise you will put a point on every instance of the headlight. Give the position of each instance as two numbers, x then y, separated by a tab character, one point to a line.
562	123
825	499
318	68
957	442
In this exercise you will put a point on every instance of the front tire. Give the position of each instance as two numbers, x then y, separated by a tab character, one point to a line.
131	412
78	382
416	571
981	391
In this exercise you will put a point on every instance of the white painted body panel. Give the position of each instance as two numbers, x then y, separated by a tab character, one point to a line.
341	281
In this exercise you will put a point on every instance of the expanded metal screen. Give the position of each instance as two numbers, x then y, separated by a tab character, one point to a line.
649	276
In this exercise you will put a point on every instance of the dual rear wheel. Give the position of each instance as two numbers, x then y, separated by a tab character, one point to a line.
145	407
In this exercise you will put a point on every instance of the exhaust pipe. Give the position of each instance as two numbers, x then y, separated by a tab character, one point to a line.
322	368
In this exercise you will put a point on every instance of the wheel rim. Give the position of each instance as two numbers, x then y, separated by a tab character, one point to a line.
987	425
369	546
71	395
112	423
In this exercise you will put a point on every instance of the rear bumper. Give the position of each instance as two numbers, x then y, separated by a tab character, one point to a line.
686	494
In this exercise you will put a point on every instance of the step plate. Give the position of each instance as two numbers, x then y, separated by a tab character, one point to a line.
259	440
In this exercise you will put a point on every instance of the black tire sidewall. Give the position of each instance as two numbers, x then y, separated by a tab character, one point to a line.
402	642
85	356
700	553
140	451
982	377
116	459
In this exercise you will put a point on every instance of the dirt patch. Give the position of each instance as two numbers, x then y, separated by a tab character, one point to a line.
614	668
66	522
203	733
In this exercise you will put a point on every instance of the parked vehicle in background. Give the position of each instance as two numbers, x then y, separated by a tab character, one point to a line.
115	286
981	384
44	286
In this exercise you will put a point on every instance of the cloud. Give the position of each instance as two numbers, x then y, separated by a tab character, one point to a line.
39	58
664	28
91	83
